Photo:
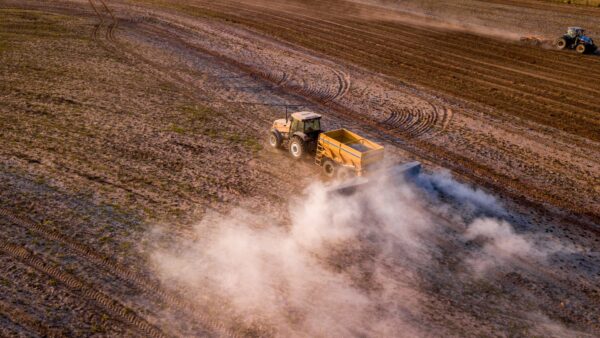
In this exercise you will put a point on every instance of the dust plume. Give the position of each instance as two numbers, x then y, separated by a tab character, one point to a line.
345	266
473	199
500	243
427	14
431	14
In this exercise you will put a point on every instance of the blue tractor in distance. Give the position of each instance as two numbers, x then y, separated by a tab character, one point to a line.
575	38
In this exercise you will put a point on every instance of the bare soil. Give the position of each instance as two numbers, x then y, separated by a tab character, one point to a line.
119	115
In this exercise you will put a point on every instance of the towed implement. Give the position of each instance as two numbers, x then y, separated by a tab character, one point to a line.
340	153
343	153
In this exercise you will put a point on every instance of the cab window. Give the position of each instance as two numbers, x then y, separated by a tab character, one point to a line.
297	126
312	125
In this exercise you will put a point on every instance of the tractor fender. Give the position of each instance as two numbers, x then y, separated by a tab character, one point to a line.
276	132
301	135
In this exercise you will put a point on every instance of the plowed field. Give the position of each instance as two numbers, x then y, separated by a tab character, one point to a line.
118	117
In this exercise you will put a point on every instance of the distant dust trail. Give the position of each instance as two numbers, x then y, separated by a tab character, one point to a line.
399	12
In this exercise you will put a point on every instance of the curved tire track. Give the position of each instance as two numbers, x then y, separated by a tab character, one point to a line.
77	286
418	121
119	271
113	25
23	319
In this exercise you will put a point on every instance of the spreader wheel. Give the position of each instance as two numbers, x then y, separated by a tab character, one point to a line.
344	174
329	168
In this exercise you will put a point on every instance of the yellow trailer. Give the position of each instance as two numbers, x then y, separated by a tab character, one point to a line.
341	152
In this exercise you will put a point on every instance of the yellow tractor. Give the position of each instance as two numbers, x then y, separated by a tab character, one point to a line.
299	133
341	153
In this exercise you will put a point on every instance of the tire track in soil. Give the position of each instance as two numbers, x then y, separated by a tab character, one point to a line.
110	28
344	83
77	286
98	26
119	271
306	86
26	321
418	121
324	93
277	78
113	25
165	72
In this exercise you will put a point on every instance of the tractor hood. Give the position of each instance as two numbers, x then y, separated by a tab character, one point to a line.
587	40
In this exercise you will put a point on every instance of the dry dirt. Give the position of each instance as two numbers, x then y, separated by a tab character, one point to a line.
116	116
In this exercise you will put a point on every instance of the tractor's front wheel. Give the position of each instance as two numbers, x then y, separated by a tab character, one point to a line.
561	43
275	140
581	49
296	148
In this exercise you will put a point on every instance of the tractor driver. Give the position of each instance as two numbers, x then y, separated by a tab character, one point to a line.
312	126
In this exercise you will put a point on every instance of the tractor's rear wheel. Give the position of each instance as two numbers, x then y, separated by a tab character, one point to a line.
561	43
329	168
581	49
275	140
297	147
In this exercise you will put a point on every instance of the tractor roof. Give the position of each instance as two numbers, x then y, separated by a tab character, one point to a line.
305	115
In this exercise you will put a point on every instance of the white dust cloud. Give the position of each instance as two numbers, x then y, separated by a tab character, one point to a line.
501	244
474	199
345	266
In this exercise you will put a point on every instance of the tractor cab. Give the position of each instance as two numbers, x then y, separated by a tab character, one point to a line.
574	32
306	122
300	131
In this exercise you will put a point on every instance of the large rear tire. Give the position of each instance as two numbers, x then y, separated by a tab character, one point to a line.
561	43
275	140
296	148
581	49
329	168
